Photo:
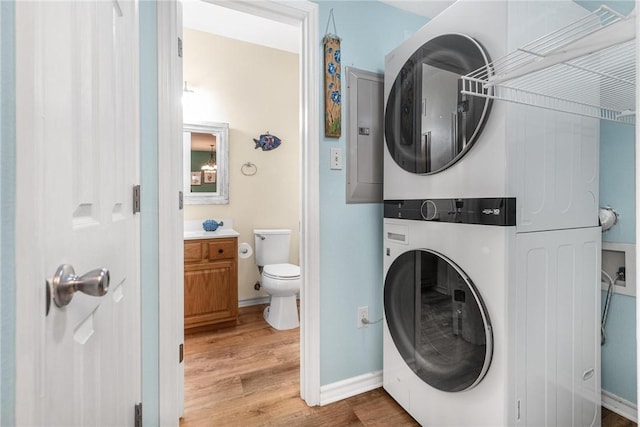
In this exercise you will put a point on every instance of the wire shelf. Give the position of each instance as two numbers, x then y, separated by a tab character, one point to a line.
585	68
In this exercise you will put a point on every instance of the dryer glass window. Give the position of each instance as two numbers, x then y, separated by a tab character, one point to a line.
437	320
429	124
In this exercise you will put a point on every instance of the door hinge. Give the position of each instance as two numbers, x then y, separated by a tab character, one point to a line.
179	47
138	415
181	353
136	199
180	200
518	410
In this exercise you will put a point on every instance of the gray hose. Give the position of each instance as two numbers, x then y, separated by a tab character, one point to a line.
607	303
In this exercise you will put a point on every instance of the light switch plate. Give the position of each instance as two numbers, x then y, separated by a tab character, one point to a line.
336	159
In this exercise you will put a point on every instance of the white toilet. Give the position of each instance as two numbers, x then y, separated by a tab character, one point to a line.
279	278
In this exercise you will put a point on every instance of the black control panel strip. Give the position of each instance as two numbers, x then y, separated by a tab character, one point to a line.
485	211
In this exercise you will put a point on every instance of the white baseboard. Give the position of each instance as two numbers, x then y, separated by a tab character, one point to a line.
620	406
253	301
256	301
350	387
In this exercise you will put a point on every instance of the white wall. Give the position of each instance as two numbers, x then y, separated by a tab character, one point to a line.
255	89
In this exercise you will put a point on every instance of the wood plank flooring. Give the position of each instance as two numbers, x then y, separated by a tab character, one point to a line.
248	375
611	419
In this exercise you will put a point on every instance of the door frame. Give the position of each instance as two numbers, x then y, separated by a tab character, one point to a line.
303	14
637	200
170	331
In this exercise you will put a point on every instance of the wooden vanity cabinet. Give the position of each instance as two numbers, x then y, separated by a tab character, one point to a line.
210	283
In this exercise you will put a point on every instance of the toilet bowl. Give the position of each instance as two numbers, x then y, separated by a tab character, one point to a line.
279	279
282	282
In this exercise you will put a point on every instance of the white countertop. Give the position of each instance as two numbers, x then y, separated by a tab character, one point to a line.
193	230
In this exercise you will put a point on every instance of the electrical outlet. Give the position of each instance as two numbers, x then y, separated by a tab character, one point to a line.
363	313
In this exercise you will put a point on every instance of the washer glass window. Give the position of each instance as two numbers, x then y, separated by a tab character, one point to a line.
429	124
437	320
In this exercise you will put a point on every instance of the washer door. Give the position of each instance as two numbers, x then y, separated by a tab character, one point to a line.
437	320
429	124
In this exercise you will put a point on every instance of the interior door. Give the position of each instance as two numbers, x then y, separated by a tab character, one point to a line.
77	138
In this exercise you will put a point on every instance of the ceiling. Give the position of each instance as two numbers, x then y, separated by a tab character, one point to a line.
211	18
202	16
423	8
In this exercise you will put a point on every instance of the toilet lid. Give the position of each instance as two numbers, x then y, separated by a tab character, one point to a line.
282	271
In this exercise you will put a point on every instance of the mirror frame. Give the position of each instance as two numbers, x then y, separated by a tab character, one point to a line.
221	132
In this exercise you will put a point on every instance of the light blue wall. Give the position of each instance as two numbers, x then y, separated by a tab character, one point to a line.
621	6
349	276
7	213
351	235
149	210
617	189
619	351
617	179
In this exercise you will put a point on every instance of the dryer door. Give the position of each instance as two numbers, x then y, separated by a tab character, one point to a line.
437	320
429	124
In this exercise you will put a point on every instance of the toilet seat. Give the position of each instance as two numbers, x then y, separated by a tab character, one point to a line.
281	271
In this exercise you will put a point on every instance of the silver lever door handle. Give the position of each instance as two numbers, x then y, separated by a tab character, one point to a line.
65	283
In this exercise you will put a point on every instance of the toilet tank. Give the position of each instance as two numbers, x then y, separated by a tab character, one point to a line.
272	246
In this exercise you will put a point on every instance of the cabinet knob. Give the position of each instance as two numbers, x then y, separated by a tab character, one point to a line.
220	251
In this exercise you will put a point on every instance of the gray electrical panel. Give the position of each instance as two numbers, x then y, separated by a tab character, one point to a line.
365	138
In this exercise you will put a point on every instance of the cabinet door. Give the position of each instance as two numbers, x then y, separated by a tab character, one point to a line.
210	293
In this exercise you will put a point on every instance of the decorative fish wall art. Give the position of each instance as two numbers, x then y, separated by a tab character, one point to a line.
267	142
332	90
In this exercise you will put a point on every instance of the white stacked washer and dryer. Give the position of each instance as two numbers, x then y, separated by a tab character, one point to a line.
491	235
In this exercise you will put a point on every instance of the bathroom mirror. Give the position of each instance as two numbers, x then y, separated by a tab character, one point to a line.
206	157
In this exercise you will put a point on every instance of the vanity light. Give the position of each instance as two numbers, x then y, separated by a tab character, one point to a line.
210	166
188	96
191	102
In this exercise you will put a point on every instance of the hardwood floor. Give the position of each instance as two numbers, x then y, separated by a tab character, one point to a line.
248	375
611	419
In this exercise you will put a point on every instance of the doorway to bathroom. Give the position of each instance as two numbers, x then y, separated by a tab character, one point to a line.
253	84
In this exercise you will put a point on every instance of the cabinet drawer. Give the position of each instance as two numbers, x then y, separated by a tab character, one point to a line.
221	249
192	251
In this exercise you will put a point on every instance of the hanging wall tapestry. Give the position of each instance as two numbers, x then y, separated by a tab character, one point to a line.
332	95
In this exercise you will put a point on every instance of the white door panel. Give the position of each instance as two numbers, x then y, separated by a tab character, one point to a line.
557	375
78	142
